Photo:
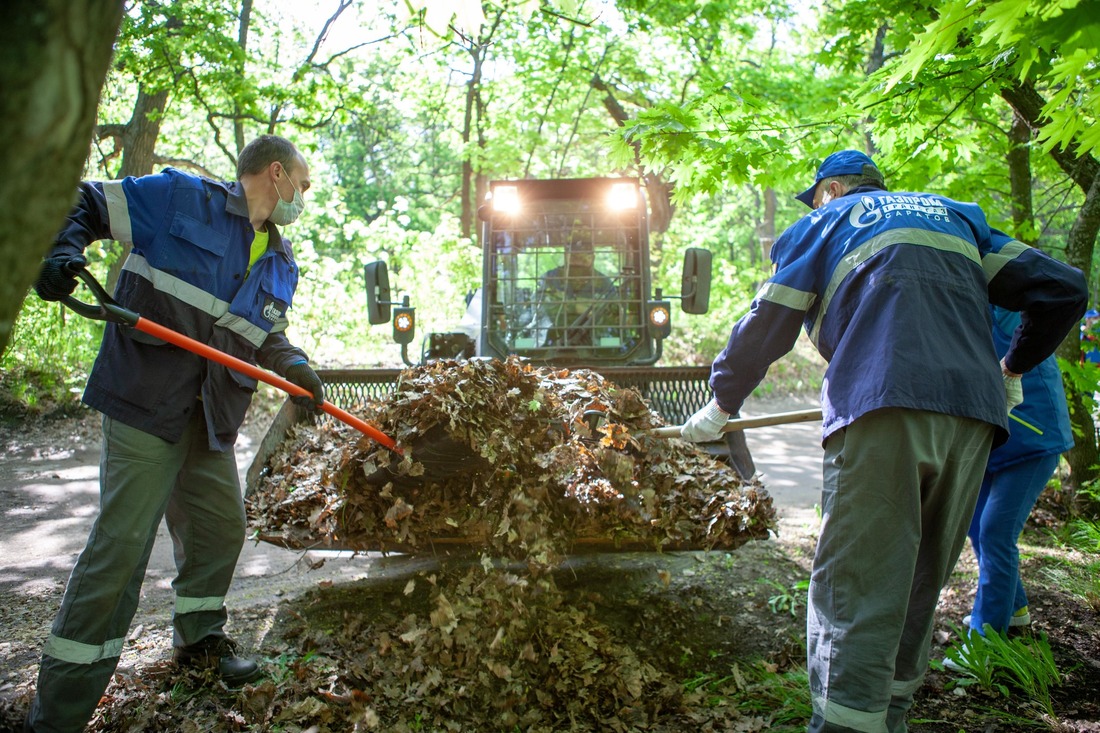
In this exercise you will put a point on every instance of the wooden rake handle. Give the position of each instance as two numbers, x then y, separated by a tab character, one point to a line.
742	423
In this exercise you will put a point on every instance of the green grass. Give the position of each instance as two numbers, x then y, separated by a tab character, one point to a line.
786	599
1001	665
1080	580
1079	534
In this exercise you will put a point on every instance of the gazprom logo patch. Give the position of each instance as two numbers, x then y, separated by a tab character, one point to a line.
870	210
271	311
864	213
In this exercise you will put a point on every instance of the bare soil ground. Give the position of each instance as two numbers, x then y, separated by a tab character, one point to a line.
698	630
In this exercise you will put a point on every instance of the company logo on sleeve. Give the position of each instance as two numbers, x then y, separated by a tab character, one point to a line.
870	209
271	311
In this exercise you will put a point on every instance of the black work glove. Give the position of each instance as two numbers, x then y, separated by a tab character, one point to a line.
306	378
58	276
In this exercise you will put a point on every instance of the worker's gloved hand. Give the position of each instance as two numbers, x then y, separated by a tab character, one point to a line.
58	276
706	425
1014	391
301	375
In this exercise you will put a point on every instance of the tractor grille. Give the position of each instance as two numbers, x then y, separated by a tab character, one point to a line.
674	392
349	388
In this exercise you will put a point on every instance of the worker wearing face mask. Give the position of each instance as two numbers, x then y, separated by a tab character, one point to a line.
208	260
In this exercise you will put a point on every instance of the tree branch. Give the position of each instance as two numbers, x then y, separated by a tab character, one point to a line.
110	131
568	46
1028	103
342	5
186	163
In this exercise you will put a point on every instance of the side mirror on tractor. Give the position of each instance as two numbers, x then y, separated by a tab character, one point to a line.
379	302
378	292
695	283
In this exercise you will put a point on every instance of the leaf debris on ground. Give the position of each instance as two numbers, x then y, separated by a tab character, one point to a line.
494	642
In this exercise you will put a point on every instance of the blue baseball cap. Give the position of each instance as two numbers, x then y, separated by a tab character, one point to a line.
1092	313
842	163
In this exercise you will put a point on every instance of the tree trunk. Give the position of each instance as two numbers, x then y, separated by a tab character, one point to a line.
1019	176
1028	104
140	138
242	39
875	60
139	141
469	185
659	192
1085	172
53	59
765	227
473	125
1082	458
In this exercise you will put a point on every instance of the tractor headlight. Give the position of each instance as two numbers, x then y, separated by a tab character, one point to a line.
506	199
622	196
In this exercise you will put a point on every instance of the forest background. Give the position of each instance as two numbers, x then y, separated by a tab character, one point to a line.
406	110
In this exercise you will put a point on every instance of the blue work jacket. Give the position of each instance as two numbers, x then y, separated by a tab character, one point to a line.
893	290
1040	425
189	271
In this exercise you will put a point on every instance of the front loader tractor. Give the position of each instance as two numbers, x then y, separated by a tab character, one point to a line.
567	280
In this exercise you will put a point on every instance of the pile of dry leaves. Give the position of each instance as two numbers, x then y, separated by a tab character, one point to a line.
510	470
499	461
499	457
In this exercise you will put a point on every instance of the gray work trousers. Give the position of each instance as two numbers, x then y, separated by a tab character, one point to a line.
899	489
142	479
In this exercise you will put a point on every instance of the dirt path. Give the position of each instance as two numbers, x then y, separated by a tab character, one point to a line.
48	500
704	608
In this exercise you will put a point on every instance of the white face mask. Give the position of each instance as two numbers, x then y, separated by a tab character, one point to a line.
287	213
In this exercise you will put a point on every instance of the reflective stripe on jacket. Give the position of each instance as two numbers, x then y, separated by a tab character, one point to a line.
893	290
187	271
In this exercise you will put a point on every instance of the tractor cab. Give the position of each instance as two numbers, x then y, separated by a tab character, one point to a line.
566	278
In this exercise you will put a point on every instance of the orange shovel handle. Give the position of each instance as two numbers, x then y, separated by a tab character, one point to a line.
239	365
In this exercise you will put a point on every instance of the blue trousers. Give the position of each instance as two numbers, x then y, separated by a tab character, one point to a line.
1005	501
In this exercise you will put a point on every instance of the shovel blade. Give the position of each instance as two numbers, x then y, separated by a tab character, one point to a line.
442	456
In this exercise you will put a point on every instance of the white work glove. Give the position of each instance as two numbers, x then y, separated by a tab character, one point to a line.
1014	391
706	425
1014	387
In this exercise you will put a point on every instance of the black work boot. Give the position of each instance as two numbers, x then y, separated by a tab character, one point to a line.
220	653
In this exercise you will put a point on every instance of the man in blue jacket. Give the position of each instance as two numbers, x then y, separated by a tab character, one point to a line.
893	290
209	261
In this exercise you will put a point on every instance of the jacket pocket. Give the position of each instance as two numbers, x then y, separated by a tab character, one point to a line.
190	229
245	382
277	279
198	248
269	294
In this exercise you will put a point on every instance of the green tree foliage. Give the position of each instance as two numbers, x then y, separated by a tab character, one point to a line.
754	115
724	107
1052	44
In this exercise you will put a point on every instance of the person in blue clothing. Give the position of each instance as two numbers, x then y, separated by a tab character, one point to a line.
1017	472
893	289
208	260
